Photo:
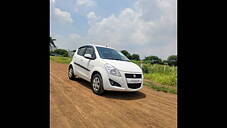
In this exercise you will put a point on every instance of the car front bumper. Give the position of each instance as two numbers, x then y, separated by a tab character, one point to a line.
123	81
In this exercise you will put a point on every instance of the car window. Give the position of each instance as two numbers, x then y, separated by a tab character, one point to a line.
90	50
81	51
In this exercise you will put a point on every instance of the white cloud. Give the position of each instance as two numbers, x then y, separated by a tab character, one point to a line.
124	28
63	16
87	3
92	16
148	28
71	41
84	6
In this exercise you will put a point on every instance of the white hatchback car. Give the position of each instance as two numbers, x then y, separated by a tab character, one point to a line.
106	69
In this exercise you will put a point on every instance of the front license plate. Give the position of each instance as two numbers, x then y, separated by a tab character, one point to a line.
133	80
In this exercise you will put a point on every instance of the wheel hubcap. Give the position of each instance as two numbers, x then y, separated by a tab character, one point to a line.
70	72
96	84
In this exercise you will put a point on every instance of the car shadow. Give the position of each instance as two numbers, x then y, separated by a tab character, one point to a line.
84	83
124	95
114	94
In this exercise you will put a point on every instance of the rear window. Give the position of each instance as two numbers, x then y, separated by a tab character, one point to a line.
81	51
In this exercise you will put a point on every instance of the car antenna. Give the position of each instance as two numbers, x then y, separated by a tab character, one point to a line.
107	45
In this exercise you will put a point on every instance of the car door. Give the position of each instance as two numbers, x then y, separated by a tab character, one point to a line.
88	63
78	62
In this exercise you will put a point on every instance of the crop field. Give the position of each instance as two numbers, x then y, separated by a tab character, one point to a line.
159	77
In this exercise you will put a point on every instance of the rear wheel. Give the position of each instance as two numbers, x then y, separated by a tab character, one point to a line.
71	73
97	84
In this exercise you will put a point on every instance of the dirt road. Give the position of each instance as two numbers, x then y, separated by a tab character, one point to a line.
73	105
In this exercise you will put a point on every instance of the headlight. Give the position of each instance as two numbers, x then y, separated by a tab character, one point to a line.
112	70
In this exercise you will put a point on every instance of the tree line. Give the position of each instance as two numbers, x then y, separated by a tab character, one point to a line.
171	60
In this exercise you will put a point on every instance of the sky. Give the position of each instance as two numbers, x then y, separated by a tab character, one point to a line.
144	27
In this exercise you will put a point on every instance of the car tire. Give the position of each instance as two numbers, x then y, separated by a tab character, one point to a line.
97	84
71	73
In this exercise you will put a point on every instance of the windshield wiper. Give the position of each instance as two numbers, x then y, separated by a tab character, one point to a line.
118	59
115	59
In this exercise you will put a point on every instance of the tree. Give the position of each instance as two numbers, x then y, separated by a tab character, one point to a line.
165	62
61	52
135	57
172	60
52	42
126	53
145	69
153	60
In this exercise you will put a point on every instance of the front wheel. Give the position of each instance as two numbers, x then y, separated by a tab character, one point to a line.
71	73
97	84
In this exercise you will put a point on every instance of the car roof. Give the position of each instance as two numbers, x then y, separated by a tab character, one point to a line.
98	45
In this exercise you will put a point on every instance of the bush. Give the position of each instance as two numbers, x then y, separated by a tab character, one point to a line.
61	52
153	60
172	60
145	69
135	57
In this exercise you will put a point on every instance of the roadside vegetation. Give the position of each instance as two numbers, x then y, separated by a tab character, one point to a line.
159	77
61	59
59	52
162	88
163	74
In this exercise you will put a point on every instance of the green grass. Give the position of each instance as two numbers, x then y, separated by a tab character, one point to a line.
164	79
59	59
166	89
163	75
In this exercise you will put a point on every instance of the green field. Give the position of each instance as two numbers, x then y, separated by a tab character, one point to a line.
162	88
163	74
159	77
59	59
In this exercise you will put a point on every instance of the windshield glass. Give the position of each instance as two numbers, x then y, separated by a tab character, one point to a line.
108	53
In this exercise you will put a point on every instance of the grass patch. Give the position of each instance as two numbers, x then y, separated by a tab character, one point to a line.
162	78
163	74
59	59
166	89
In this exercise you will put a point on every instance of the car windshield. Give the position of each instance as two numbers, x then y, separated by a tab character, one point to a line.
108	53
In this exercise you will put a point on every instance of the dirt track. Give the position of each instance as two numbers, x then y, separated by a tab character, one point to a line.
73	105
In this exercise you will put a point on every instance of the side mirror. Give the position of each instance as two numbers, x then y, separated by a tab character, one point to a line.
88	56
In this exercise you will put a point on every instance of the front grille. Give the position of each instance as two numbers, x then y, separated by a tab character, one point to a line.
134	86
133	75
